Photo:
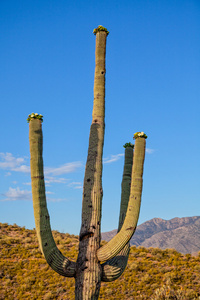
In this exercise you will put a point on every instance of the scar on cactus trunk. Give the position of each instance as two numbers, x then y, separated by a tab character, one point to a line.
94	263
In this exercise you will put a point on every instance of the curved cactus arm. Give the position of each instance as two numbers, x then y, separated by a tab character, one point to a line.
114	246
53	256
113	268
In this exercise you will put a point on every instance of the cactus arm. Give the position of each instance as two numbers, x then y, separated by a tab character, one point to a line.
53	256
115	245
88	277
113	268
126	184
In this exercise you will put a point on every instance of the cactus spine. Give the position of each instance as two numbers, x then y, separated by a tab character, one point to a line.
94	263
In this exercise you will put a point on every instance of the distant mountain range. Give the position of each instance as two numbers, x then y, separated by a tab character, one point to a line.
182	234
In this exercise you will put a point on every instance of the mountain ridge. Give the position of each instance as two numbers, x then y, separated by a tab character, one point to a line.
181	234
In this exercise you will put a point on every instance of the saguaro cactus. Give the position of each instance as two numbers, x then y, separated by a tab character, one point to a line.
94	263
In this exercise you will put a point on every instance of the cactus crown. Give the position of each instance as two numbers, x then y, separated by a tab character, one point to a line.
128	145
100	28
34	116
140	135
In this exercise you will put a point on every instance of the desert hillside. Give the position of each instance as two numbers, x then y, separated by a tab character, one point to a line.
151	273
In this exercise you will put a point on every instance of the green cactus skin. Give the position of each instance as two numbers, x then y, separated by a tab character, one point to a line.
114	246
126	184
89	270
113	268
55	259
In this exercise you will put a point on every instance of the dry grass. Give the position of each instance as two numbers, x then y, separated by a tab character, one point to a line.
151	273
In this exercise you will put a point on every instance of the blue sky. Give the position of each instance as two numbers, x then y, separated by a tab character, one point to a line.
152	85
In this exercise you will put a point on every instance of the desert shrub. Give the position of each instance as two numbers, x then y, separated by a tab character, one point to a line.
150	273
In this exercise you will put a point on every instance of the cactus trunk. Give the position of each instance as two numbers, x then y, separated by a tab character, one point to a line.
88	278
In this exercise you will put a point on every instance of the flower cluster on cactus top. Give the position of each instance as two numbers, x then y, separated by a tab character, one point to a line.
34	116
128	145
140	135
100	28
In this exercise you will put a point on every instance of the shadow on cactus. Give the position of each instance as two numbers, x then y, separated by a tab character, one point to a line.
94	263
